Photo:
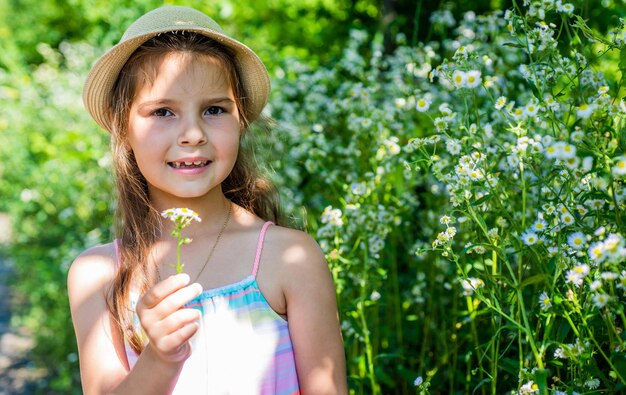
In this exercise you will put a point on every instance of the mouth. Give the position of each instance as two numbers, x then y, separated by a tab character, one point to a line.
189	165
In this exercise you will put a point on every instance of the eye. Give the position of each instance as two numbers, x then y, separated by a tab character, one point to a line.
214	110
162	112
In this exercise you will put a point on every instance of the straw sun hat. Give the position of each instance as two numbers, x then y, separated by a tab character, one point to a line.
102	77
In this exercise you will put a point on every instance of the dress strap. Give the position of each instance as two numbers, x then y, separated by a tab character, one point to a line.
259	248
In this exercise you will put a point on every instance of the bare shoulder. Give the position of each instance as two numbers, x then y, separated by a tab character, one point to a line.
293	247
296	258
93	269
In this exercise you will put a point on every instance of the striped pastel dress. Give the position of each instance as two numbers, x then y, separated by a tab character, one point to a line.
243	346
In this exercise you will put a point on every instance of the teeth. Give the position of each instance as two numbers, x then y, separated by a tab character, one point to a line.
178	165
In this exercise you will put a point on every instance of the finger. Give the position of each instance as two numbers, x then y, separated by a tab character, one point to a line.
151	317
177	300
177	320
162	289
177	342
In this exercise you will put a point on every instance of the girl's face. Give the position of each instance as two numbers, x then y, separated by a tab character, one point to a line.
184	128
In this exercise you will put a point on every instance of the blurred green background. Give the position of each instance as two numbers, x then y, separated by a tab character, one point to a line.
55	182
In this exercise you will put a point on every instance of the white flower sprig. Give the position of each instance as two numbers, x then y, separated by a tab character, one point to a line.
181	217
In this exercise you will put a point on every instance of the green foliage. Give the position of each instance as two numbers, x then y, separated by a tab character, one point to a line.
469	195
426	196
56	186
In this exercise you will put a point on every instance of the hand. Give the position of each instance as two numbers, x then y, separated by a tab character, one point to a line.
167	323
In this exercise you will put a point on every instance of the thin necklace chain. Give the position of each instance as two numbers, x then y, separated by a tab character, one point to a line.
217	240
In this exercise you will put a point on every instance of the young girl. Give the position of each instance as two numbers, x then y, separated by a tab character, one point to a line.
254	311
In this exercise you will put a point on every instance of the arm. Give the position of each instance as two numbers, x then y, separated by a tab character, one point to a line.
313	318
103	364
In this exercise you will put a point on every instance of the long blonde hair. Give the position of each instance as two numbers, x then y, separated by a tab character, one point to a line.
137	222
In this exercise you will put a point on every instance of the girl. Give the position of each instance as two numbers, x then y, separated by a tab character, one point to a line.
255	311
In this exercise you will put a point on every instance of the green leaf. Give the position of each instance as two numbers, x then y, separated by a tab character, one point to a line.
513	45
537	278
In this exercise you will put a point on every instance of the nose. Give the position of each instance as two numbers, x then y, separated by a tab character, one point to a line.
193	133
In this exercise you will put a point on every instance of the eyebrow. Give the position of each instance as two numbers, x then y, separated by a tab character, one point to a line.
169	102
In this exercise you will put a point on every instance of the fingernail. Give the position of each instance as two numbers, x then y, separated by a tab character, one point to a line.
185	277
198	287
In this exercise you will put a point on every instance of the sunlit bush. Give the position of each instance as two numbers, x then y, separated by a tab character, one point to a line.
56	186
469	196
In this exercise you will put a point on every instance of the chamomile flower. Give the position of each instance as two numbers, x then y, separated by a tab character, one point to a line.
619	168
544	301
181	214
595	285
595	204
600	300
596	252
574	278
540	225
609	276
576	240
585	110
567	219
529	388
560	353
592	384
423	105
445	220
517	113
441	124
459	78
530	238
500	103
566	8
332	216
576	275
577	136
551	151
568	151
531	109
473	79
471	284
453	146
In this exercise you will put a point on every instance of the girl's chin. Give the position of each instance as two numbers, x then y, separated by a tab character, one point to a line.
180	194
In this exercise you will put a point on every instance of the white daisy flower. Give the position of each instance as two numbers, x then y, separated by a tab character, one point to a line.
576	240
592	384
529	238
453	146
459	78
423	105
500	102
531	109
596	252
567	219
540	225
473	79
609	276
595	285
544	301
619	168
600	300
585	110
471	284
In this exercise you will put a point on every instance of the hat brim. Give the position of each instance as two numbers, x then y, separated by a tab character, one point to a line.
103	75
